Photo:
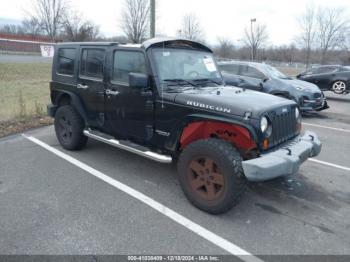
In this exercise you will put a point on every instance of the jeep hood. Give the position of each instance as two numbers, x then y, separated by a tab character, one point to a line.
231	100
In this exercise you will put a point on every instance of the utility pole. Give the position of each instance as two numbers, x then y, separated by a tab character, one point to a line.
153	18
252	36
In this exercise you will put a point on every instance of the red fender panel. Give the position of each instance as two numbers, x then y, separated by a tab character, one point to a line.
237	135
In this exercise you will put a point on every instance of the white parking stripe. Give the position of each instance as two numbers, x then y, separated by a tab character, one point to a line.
329	164
194	227
328	127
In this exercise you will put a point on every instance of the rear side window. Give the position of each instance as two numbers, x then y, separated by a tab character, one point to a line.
232	69
325	70
126	62
66	61
251	72
91	64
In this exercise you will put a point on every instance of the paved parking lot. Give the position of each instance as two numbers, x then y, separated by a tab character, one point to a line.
106	201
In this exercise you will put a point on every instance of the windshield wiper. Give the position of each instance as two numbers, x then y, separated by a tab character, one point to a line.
207	80
179	85
180	82
177	90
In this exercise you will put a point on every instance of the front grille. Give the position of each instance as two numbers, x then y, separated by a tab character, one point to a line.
284	127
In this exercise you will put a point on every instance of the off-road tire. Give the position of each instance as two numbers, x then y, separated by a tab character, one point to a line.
69	127
228	161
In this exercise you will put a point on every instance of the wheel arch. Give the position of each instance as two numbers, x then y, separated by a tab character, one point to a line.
343	79
66	97
196	127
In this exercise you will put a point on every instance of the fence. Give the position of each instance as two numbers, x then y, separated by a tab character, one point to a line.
26	44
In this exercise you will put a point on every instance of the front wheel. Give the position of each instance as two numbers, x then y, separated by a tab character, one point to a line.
211	175
339	87
69	127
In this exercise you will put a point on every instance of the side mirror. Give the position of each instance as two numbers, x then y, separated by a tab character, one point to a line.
139	81
261	86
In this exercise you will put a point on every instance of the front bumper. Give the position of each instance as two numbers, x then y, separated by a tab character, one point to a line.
313	104
283	161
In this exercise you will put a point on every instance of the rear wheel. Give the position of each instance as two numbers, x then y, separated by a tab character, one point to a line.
339	87
69	127
211	175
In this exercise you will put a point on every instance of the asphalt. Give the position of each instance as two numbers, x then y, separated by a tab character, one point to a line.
49	206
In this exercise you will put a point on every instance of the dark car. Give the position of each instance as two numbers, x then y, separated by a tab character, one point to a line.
267	79
334	78
165	100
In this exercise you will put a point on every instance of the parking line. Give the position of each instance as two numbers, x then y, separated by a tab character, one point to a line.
328	127
329	164
178	218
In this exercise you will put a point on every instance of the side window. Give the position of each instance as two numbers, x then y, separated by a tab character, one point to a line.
91	63
126	62
310	72
251	72
326	69
66	61
232	69
345	69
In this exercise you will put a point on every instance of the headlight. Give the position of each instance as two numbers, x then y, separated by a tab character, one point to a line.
300	88
264	124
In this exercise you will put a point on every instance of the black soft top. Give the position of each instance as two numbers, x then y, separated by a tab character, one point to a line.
154	42
87	43
175	42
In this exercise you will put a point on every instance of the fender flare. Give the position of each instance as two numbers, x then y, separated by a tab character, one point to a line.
343	79
173	142
74	100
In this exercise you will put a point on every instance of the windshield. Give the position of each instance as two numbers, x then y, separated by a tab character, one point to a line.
183	64
273	72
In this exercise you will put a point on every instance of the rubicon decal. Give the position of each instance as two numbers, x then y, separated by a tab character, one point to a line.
210	107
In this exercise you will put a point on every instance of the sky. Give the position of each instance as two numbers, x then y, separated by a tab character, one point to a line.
218	18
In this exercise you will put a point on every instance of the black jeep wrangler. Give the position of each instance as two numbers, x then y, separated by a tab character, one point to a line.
165	100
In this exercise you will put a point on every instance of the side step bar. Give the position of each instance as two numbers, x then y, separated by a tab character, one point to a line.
128	146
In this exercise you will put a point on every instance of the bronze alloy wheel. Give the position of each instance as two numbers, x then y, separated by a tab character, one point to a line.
211	175
205	178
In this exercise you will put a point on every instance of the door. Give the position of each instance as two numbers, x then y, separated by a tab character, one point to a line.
129	110
252	77
323	76
90	82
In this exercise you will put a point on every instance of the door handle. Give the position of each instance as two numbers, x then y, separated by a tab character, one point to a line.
80	86
112	93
